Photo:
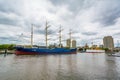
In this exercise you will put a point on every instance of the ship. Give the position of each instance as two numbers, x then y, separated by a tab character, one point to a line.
94	51
20	50
43	51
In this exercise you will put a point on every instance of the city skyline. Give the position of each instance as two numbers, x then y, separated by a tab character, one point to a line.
90	20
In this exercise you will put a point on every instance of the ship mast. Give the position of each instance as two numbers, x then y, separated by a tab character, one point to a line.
46	34
70	37
32	35
60	36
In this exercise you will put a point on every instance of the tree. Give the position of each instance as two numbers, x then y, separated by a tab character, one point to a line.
7	46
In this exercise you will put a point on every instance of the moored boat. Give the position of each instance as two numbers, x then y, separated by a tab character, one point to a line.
34	51
95	51
43	51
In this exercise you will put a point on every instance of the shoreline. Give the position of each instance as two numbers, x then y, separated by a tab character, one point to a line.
8	51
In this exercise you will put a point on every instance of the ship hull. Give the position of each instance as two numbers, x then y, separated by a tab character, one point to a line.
95	51
39	51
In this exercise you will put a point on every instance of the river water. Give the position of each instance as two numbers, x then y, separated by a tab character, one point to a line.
81	66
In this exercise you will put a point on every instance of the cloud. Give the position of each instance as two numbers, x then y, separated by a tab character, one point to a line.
91	19
89	33
107	14
7	40
7	6
10	19
117	33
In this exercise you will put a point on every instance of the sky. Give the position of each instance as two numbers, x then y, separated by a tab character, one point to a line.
89	20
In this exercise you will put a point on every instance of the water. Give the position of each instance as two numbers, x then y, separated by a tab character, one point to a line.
81	66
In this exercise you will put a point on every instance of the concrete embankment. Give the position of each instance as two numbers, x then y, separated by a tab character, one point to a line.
7	51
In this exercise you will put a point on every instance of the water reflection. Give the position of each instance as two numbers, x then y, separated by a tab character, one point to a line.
60	67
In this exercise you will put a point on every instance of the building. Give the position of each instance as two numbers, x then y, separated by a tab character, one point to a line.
94	46
86	46
108	42
68	43
101	46
117	49
73	43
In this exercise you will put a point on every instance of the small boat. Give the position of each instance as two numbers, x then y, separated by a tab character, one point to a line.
34	51
95	51
115	54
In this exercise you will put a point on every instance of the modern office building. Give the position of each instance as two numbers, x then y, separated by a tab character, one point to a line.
68	43
108	42
73	43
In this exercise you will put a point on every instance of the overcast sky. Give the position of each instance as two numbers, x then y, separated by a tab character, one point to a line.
90	20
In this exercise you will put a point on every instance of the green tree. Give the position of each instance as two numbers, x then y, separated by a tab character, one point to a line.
7	46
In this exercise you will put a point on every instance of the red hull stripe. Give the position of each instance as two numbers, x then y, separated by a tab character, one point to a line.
94	52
